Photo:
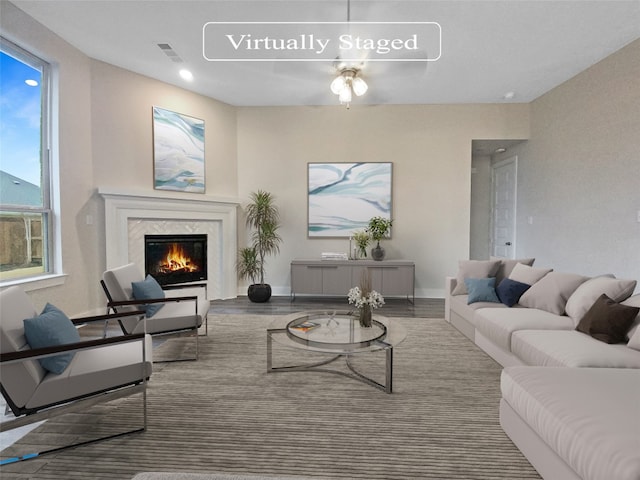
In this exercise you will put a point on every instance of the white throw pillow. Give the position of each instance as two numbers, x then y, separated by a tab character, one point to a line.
552	291
633	301
634	341
473	269
507	264
587	293
526	274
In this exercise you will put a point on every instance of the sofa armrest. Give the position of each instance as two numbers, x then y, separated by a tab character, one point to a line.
450	284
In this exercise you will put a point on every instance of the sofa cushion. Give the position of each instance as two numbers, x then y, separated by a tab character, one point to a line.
552	291
95	369
509	291
607	320
148	289
481	290
526	274
588	416
586	294
497	325
173	317
506	266
51	328
570	348
460	306
473	269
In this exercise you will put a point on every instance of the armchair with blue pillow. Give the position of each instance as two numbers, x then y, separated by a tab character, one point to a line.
47	369
167	309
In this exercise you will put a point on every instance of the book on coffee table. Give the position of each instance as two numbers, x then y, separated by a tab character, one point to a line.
305	326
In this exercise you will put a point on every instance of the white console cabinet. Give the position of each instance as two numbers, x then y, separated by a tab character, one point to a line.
335	277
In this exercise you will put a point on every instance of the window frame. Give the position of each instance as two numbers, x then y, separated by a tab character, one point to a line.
50	242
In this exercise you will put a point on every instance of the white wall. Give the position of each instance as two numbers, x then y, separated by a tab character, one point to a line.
72	151
105	140
430	147
578	176
480	231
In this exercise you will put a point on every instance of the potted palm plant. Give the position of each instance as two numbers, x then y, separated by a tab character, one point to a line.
378	228
263	218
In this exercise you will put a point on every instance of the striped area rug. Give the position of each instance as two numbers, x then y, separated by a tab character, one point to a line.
225	414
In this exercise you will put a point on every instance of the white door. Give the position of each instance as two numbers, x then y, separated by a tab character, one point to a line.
503	188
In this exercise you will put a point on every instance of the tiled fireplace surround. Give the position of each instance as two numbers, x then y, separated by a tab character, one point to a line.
131	215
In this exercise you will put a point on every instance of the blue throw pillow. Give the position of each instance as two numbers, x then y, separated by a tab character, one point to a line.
148	289
50	329
481	290
509	291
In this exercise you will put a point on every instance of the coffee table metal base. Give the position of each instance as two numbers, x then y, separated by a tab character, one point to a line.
387	386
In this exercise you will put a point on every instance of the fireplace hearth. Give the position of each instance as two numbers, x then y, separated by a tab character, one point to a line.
172	259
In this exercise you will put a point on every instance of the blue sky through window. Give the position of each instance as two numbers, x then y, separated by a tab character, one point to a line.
20	116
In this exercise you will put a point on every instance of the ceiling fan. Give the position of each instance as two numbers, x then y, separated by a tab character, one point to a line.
352	73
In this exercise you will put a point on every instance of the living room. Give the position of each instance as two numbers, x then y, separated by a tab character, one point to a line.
578	202
431	152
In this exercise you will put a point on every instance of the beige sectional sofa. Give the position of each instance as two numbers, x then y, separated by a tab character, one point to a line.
571	401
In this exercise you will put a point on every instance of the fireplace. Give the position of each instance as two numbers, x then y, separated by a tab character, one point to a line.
176	258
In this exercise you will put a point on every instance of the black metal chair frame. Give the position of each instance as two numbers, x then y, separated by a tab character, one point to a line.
26	416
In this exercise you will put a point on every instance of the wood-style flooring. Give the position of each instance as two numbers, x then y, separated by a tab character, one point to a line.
393	307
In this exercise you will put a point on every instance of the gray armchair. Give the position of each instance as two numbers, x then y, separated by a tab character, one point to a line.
183	309
93	370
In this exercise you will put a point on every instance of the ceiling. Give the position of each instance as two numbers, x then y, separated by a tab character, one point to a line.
489	48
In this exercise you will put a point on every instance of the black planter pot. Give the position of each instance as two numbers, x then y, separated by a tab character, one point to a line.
377	252
259	292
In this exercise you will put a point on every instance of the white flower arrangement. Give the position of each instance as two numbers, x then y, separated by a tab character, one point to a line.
372	298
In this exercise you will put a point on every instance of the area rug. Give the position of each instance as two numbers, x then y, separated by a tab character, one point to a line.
225	414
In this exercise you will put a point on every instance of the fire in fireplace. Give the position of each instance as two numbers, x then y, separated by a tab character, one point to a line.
176	258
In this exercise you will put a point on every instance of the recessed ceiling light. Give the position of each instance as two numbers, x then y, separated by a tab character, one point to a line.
31	82
500	150
186	74
509	95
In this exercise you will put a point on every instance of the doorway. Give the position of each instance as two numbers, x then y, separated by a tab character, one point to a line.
504	176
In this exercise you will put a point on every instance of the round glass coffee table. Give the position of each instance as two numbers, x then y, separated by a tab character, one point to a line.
339	334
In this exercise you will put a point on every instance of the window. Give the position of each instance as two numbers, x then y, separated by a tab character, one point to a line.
25	196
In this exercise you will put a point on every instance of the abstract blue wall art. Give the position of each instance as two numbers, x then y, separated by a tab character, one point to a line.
178	152
342	197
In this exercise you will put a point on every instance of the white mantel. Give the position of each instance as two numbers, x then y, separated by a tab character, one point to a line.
129	215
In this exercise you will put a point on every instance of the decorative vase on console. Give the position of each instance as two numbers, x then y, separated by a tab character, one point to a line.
362	239
365	299
379	228
377	252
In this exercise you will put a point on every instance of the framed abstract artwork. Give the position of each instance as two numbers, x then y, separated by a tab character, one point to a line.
178	152
342	197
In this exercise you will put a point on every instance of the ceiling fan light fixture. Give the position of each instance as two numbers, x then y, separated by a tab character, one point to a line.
359	86
346	84
338	84
345	94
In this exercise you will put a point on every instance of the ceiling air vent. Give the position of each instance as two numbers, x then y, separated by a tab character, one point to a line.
170	52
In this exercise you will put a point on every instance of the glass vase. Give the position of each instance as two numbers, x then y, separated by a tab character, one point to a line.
365	316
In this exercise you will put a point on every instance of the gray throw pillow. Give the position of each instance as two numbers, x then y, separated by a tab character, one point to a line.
473	269
552	291
526	274
507	264
586	294
633	301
